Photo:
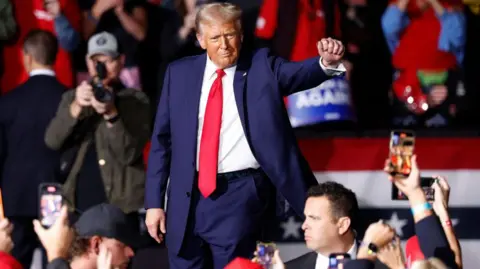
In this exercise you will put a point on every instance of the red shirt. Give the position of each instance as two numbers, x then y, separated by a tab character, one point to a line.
311	26
418	44
30	15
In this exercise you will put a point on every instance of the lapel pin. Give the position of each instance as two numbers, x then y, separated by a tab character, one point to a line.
244	74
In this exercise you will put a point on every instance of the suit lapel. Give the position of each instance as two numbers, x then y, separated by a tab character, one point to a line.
239	81
310	261
192	97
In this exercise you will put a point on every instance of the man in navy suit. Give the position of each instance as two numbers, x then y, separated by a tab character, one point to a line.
223	137
25	160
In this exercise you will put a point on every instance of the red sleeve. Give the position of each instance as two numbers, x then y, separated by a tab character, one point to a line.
267	19
9	262
71	10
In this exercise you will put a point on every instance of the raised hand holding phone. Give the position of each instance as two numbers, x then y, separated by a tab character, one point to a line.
442	193
401	148
57	239
50	204
410	184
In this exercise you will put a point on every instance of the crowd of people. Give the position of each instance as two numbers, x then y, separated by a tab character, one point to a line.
439	71
103	239
80	85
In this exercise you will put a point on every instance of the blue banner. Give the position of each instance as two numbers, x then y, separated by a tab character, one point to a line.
330	101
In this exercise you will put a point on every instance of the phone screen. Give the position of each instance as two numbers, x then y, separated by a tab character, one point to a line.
337	260
426	184
51	202
264	253
402	144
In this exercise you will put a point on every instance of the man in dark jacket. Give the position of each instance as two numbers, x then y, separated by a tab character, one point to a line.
102	131
25	161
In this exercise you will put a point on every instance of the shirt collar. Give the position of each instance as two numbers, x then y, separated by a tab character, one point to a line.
211	68
41	71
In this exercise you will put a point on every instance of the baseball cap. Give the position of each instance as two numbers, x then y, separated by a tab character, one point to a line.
103	43
106	220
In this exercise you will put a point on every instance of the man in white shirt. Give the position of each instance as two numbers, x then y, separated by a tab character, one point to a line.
223	137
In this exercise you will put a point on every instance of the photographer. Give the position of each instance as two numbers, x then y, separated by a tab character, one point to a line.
101	128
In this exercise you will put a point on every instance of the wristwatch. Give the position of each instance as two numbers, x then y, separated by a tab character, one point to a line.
372	249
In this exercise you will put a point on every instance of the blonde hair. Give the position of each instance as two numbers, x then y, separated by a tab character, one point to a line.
432	263
214	12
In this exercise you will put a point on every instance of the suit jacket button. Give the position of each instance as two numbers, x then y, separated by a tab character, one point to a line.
188	194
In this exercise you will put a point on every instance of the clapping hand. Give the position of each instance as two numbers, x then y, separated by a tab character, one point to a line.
392	255
379	233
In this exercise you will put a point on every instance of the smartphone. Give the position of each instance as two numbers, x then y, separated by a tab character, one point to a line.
264	253
426	184
402	143
50	204
337	260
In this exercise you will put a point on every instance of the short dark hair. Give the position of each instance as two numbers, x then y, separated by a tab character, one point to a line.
343	201
79	245
42	46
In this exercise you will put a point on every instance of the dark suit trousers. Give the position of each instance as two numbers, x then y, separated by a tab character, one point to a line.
26	241
225	225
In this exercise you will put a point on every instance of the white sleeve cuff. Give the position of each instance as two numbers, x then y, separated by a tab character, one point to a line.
329	71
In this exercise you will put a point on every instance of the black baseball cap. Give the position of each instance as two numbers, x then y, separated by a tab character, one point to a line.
109	221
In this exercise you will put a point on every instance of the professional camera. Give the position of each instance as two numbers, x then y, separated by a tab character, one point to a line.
99	91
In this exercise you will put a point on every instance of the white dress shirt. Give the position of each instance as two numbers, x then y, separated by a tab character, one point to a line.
323	261
234	153
46	72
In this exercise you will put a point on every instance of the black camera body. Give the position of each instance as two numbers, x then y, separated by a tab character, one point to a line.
99	91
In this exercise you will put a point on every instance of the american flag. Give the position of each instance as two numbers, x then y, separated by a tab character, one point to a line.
358	164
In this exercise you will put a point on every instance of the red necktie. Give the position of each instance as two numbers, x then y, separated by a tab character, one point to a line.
208	160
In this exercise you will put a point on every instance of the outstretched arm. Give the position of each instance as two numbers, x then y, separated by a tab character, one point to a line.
298	76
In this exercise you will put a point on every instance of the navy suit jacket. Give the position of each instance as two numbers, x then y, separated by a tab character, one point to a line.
25	160
260	83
